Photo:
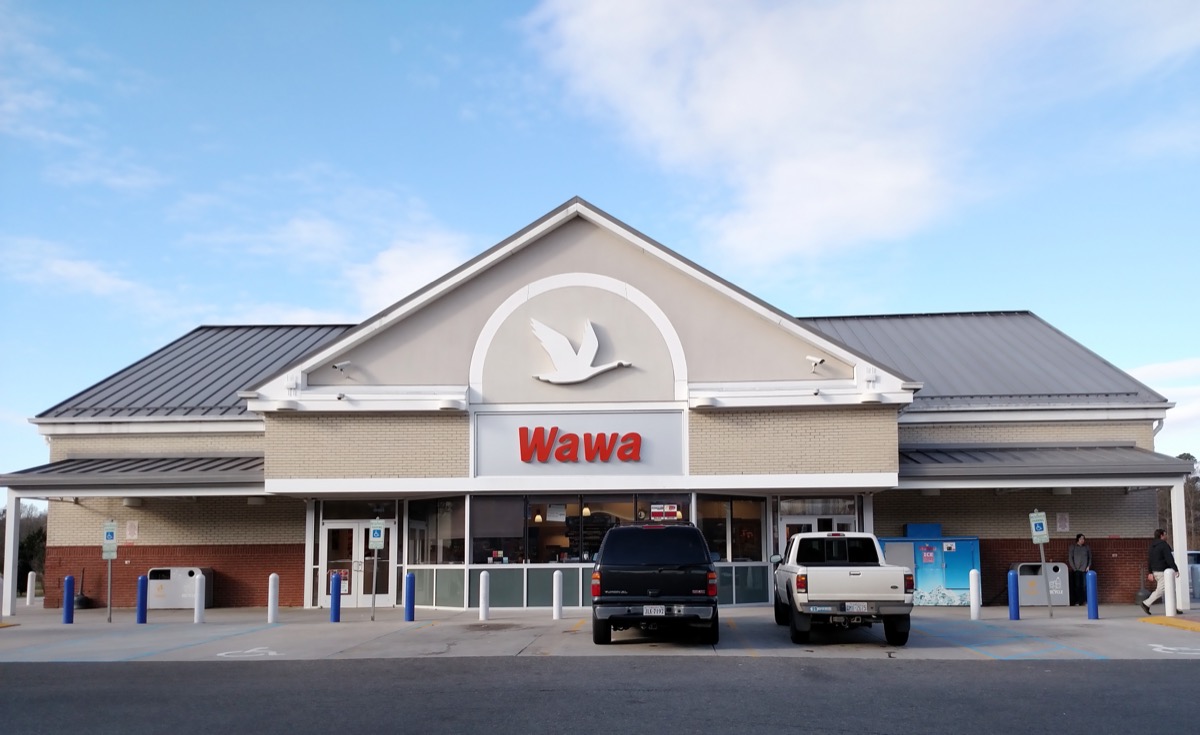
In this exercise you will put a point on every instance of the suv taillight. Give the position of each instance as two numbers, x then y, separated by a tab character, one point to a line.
712	584
909	584
802	584
595	584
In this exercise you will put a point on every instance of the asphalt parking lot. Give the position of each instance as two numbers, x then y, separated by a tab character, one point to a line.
34	634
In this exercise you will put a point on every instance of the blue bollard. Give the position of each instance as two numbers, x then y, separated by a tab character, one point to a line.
1093	603
335	598
143	593
410	589
1014	600
68	600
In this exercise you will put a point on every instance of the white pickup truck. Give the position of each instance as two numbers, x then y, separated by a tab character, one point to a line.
840	579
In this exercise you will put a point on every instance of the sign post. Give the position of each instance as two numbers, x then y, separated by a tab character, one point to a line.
375	543
1041	536
108	552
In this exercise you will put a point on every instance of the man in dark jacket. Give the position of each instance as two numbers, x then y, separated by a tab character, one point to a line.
1161	559
1079	561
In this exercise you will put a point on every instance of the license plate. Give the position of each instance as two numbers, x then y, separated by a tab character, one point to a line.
654	609
857	607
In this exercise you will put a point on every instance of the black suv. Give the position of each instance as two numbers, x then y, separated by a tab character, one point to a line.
654	576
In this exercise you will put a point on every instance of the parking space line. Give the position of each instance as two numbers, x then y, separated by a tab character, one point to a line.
201	643
1006	637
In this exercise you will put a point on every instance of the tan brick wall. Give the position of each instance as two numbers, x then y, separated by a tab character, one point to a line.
793	442
171	522
1140	432
358	445
165	445
1095	512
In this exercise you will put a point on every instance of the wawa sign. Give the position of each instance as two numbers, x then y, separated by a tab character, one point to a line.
579	444
549	445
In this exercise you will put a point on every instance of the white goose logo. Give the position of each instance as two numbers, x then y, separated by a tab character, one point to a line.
571	366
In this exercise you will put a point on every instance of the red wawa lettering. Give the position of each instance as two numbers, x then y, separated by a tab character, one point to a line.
541	444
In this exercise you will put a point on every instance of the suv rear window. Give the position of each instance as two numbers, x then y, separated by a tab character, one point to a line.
815	551
653	545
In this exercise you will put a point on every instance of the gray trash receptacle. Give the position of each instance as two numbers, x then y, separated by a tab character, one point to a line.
173	588
1031	583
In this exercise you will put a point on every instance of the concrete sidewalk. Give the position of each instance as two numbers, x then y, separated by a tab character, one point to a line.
939	633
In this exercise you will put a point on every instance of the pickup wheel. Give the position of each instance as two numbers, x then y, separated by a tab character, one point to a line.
601	631
781	612
895	629
799	626
712	634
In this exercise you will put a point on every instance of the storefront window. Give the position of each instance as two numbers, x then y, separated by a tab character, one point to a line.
657	507
497	530
437	530
747	529
714	524
733	527
600	513
549	519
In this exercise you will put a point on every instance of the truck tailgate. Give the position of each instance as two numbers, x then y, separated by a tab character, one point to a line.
684	581
856	583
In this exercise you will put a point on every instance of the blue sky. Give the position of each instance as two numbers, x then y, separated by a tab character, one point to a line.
166	165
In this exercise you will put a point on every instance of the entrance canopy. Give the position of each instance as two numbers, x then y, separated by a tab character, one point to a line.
1094	465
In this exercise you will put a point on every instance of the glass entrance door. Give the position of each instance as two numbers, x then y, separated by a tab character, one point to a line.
789	525
345	550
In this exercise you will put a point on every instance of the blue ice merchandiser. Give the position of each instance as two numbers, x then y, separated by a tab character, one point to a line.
941	564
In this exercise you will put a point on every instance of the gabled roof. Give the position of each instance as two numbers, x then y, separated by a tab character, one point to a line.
988	359
197	376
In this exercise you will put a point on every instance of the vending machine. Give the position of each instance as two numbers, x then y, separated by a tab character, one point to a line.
941	564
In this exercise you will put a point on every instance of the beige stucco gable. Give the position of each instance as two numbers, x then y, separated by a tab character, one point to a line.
678	328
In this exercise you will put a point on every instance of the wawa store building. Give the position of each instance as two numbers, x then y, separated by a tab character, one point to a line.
575	377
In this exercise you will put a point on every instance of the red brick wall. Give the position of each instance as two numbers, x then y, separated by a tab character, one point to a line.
240	573
1120	565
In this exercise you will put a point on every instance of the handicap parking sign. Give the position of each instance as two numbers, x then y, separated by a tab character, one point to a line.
375	537
1037	524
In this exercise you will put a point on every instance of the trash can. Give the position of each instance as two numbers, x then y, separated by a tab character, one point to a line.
1031	583
173	588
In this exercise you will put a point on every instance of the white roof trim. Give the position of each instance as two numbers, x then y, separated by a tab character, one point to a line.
978	414
60	427
872	481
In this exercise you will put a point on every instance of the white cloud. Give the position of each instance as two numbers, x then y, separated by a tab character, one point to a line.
40	102
1169	136
407	264
378	242
302	236
1179	382
31	260
842	123
112	174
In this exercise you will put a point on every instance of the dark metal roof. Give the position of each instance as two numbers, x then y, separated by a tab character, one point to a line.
140	471
977	462
196	376
991	359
